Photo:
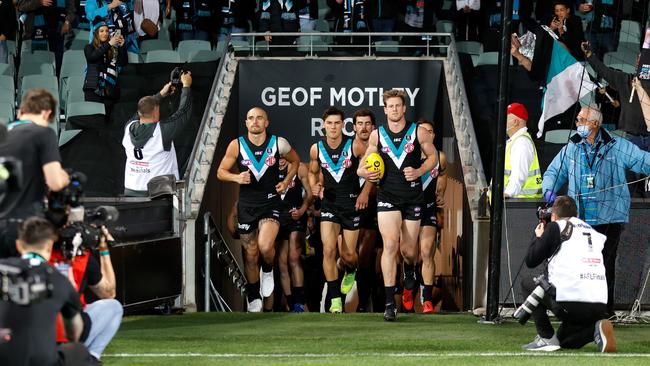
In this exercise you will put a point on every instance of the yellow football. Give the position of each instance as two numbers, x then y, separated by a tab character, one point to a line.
376	163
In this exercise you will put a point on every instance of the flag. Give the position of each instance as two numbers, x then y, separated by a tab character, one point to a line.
565	78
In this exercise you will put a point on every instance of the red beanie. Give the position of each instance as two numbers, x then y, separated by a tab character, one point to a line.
518	110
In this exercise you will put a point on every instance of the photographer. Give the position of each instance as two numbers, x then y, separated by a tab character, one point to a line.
35	144
576	290
101	319
149	141
28	331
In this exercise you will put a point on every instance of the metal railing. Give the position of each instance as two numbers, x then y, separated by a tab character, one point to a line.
215	241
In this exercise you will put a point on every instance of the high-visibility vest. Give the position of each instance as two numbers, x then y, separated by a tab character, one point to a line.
532	188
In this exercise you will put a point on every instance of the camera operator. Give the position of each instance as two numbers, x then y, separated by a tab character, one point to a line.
28	330
148	141
35	144
101	318
576	290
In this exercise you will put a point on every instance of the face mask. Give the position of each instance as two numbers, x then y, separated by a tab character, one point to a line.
583	131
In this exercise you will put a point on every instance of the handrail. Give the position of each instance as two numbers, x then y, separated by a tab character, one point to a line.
224	254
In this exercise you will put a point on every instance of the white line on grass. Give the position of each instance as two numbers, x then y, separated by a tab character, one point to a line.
379	354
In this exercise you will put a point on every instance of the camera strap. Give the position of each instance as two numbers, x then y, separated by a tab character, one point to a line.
34	256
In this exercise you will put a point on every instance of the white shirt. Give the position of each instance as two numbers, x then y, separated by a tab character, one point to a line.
521	156
473	4
151	12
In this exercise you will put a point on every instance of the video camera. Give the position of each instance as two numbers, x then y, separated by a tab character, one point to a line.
79	230
23	284
175	77
544	214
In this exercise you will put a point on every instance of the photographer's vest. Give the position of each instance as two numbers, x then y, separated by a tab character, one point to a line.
152	160
193	13
577	270
46	20
532	187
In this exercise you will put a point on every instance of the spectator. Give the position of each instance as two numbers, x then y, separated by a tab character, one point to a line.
308	13
279	16
568	28
593	164
383	16
237	15
104	56
148	9
117	14
602	24
7	27
420	17
631	119
468	20
47	23
195	19
149	141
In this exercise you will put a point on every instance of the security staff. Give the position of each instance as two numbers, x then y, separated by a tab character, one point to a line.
571	250
522	176
149	141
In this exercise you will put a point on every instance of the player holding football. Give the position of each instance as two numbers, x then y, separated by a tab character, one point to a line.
400	144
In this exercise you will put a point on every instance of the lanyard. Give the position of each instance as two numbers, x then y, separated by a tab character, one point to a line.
595	152
13	125
34	256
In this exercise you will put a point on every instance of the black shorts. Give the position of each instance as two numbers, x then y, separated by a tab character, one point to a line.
288	225
430	215
410	209
369	215
249	216
347	217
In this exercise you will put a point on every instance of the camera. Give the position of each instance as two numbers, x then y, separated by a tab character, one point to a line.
544	214
22	284
523	313
79	229
175	77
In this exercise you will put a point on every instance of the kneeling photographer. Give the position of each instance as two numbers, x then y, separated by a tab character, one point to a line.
576	289
82	233
149	141
32	293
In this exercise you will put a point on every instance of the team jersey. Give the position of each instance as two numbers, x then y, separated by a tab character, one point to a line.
262	162
400	150
292	198
429	184
339	166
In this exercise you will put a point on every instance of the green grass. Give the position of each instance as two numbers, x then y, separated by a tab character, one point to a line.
358	339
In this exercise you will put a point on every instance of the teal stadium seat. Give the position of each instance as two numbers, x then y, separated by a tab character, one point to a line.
188	46
557	136
7	89
169	56
6	112
203	56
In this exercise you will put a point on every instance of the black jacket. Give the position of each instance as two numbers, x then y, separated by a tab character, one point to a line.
97	59
7	19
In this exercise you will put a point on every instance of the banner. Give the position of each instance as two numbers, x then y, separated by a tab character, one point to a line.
296	93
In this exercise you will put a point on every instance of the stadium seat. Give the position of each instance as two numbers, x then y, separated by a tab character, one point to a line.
628	47
66	135
48	82
7	89
185	47
73	91
170	56
11	47
630	69
83	35
305	44
40	56
78	44
7	69
630	32
203	56
29	68
557	136
445	26
74	57
239	45
221	48
490	58
471	47
624	56
85	115
155	44
6	112
134	58
323	26
262	46
386	47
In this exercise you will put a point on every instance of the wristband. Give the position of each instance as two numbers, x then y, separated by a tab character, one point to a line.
104	253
